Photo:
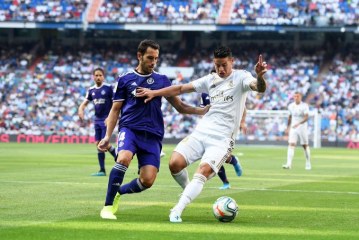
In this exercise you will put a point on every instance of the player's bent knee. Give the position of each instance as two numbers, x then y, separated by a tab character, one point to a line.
206	170
148	180
177	163
176	166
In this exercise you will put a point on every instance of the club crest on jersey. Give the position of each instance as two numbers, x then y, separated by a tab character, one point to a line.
230	84
103	92
150	80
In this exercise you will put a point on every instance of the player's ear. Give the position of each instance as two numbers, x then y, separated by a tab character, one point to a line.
139	55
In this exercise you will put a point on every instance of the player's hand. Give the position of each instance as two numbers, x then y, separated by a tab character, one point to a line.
204	110
260	67
145	92
103	145
243	128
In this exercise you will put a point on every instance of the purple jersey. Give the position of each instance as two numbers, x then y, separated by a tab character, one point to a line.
102	99
135	114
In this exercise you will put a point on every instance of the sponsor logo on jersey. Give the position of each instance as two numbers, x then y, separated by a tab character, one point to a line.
150	80
134	84
99	101
220	97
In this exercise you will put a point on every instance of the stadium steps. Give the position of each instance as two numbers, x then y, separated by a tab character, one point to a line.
34	64
324	69
225	12
93	10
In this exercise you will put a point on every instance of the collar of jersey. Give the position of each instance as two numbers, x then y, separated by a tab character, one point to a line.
142	75
99	86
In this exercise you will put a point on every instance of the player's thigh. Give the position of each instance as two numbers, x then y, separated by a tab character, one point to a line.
217	152
99	132
177	162
148	149
292	137
303	137
191	149
126	146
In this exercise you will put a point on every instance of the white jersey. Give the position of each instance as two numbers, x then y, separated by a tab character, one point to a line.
298	112
227	97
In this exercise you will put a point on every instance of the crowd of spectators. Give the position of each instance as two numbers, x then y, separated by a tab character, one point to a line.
296	12
42	10
338	97
158	11
260	12
43	92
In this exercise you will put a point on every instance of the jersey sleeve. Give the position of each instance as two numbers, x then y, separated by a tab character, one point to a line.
290	109
88	96
247	80
166	81
201	85
119	90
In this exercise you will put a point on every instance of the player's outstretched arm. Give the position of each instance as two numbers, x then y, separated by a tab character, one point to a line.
111	122
170	91
81	110
261	68
184	108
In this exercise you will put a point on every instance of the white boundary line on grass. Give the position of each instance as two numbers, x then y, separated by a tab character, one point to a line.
173	186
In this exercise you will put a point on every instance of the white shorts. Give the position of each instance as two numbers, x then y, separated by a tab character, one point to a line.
209	149
298	133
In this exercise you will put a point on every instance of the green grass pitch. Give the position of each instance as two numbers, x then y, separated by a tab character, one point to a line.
46	192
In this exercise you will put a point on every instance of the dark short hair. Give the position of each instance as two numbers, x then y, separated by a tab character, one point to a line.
142	47
222	52
98	69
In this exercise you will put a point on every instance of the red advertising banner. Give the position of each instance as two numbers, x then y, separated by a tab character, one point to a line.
23	138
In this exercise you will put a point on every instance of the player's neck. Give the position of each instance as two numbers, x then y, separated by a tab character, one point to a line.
139	70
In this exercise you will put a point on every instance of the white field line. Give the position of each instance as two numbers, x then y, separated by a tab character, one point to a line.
175	186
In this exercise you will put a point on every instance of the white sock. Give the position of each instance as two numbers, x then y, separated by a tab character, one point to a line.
307	154
290	155
192	190
181	178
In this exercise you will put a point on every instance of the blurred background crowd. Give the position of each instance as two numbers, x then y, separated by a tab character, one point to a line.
41	86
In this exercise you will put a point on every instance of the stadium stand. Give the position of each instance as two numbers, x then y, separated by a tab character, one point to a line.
41	89
42	96
264	12
42	10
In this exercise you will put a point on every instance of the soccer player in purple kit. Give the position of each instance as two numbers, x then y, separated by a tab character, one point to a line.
141	127
101	95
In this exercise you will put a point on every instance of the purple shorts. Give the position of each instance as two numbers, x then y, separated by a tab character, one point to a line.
100	130
147	146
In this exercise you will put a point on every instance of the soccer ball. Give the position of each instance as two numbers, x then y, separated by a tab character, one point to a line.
225	209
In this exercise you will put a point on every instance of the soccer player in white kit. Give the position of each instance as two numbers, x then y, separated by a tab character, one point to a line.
213	139
298	129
